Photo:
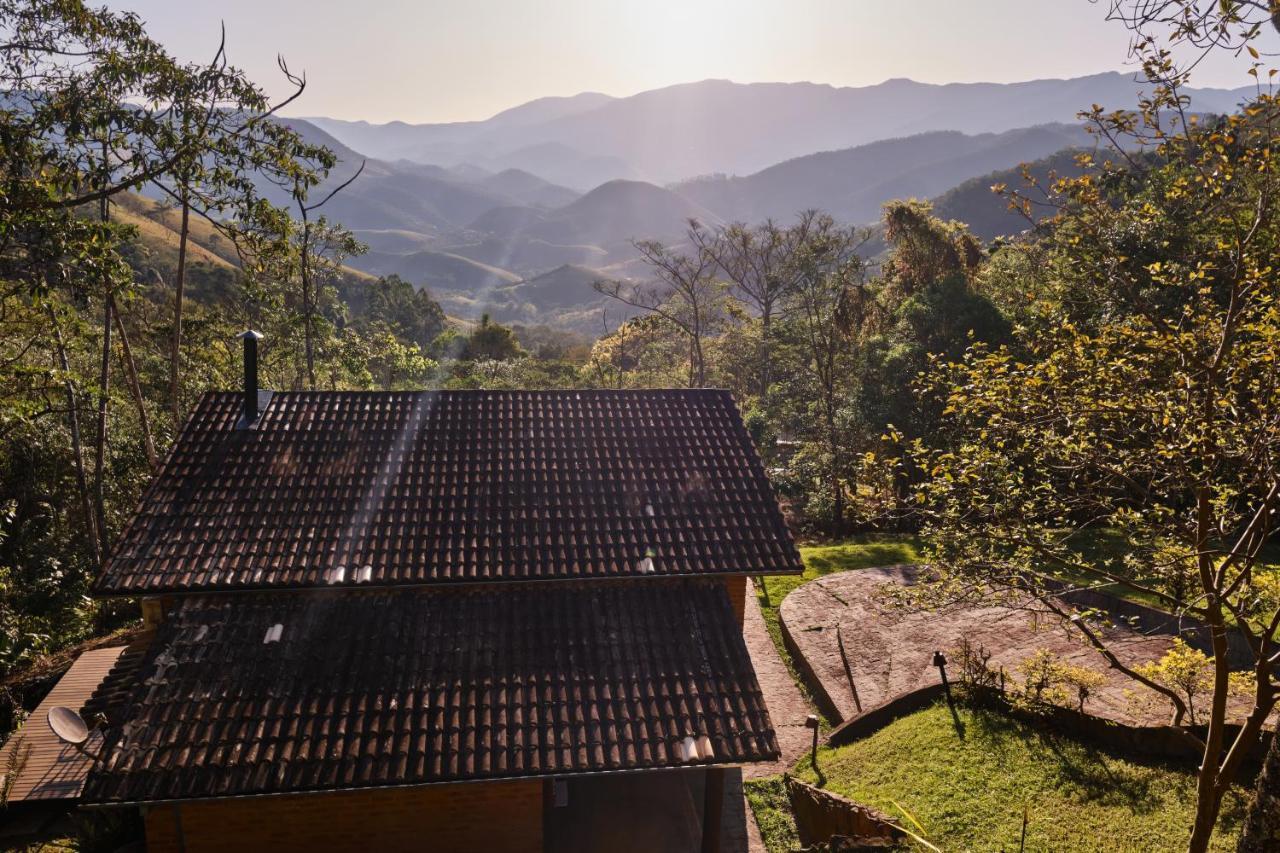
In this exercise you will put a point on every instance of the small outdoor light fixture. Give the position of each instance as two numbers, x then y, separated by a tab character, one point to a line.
940	661
811	722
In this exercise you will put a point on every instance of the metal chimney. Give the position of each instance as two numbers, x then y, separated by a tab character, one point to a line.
250	338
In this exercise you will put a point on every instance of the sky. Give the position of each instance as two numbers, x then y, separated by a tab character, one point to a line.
455	60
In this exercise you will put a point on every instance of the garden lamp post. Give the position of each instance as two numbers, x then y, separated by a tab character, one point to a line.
940	661
811	722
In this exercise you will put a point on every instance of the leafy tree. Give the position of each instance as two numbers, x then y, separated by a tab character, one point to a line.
409	311
830	308
491	342
1146	402
686	293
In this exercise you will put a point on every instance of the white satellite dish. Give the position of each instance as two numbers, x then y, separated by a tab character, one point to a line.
69	726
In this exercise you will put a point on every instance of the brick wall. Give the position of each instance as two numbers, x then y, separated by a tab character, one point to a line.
504	817
738	588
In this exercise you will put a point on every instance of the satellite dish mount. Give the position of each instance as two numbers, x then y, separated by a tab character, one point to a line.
70	728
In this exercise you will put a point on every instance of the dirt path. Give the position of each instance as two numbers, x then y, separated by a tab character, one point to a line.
787	706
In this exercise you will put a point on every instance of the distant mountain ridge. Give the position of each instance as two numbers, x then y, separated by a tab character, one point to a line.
852	184
679	132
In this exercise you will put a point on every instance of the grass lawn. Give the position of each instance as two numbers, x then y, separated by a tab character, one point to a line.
819	560
969	793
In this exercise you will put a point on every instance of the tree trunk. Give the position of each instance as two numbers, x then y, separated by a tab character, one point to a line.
131	374
1208	794
104	381
306	305
179	284
77	449
1262	826
833	446
100	439
766	362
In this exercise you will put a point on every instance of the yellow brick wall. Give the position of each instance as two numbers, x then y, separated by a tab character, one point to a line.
503	817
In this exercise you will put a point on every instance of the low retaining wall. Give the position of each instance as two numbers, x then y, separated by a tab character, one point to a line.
822	817
1168	743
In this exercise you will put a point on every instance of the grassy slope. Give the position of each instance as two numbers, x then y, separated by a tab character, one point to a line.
969	793
158	227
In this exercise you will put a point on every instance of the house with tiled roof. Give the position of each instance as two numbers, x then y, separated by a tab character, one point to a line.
471	620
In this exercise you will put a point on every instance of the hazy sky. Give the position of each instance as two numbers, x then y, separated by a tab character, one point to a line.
449	60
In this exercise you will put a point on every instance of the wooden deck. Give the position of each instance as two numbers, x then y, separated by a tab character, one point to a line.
52	770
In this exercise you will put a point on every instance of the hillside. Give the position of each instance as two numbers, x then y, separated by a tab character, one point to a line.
438	270
158	225
611	214
562	287
852	184
986	213
527	188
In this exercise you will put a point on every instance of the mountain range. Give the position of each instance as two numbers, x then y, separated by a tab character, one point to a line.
518	214
679	132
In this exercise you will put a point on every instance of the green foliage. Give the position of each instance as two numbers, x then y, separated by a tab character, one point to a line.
1050	680
491	342
1189	672
1139	398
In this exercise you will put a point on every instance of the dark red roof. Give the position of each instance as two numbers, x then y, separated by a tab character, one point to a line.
345	488
393	687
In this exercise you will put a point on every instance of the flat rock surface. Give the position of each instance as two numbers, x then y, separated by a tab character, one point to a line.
890	650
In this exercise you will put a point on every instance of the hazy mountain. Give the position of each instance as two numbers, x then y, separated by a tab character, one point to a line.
613	213
529	256
527	188
679	132
441	270
852	184
562	164
397	139
562	287
548	109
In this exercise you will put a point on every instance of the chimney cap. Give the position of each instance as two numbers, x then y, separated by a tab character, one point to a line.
250	334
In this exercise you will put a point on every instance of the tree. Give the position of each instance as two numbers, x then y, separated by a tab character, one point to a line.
220	125
491	342
1146	403
685	293
760	264
830	306
930	309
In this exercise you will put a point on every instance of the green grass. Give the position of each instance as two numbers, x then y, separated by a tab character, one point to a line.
969	793
819	560
768	800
